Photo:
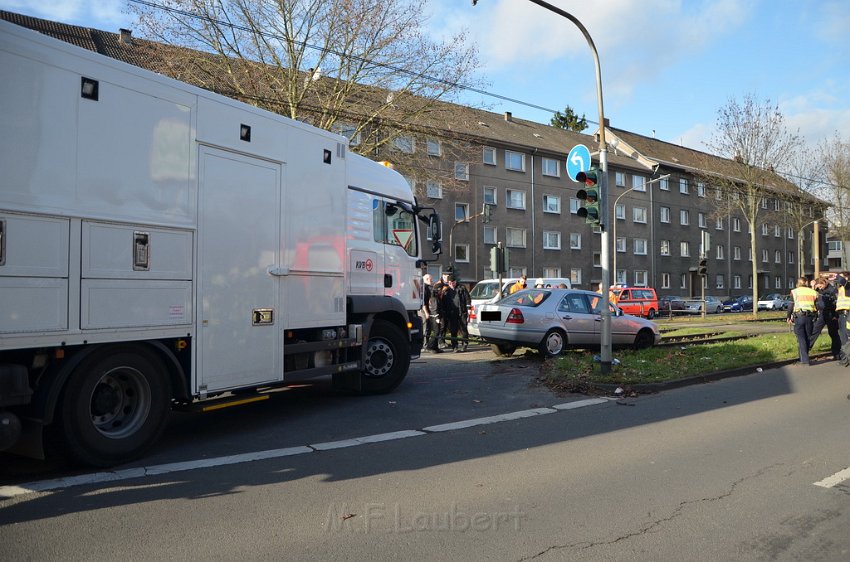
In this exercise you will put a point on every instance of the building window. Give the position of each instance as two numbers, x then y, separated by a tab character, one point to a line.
764	229
790	257
683	281
550	167
685	249
575	241
683	186
764	256
489	234
349	131
597	259
551	272
664	184
764	202
489	156
404	144
791	283
777	256
434	189
620	277
684	217
777	282
736	281
790	233
700	189
461	171
736	224
621	244
575	276
620	211
462	253
639	214
701	220
515	237
620	179
720	252
514	161
461	211
718	224
719	281
640	246
551	240
638	183
434	148
665	214
489	195
551	204
665	280
736	253
516	271
777	231
574	205
641	277
665	247
514	199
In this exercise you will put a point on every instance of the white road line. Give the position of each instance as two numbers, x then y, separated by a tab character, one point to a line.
488	420
7	492
835	479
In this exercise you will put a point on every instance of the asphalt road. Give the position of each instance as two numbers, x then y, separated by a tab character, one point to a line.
721	471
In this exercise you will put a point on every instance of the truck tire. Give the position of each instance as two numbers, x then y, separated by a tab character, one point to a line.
387	358
114	406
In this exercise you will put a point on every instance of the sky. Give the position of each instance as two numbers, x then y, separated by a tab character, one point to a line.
668	66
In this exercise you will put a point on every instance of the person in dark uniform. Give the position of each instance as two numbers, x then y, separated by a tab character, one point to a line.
826	316
429	315
451	313
801	315
461	302
842	309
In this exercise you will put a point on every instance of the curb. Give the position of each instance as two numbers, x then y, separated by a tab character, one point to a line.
649	388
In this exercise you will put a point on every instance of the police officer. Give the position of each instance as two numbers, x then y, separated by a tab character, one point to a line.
827	316
802	315
842	308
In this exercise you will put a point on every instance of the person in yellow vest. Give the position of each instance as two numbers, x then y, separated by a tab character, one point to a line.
842	307
519	285
802	315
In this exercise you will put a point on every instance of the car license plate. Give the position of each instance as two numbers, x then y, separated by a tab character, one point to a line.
491	316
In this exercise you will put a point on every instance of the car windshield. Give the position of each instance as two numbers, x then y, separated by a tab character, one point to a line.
527	297
484	290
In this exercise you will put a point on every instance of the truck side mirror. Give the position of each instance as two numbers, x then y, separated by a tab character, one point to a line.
434	227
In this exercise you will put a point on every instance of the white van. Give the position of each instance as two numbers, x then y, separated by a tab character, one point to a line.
487	291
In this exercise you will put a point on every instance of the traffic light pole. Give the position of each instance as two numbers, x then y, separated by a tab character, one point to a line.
604	257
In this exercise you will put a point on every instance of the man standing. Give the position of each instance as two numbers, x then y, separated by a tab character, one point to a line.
460	310
801	315
826	316
842	308
429	315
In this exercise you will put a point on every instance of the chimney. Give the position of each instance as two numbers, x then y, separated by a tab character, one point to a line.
509	116
125	36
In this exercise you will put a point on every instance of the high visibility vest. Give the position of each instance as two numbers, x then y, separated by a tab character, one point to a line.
843	302
804	299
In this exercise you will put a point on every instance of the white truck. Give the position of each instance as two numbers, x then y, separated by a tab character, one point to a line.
162	246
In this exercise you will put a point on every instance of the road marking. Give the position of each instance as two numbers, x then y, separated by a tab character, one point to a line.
835	479
7	492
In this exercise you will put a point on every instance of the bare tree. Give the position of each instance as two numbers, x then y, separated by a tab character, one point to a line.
366	68
834	162
753	136
801	201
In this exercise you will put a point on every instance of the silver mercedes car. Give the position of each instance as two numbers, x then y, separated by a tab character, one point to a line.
551	320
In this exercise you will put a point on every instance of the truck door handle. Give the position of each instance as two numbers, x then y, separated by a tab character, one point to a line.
388	280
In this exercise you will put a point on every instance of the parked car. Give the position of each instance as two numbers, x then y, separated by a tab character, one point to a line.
771	301
713	305
487	290
787	302
639	301
550	320
738	304
668	304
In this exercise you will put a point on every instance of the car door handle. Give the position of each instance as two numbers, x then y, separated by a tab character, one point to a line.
567	317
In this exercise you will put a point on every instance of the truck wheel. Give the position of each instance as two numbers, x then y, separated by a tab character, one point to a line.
114	406
503	349
387	358
553	343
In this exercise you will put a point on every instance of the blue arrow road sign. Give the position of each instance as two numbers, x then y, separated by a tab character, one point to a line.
578	161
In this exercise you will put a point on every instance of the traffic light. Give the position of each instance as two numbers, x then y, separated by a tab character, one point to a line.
590	196
487	213
703	266
498	260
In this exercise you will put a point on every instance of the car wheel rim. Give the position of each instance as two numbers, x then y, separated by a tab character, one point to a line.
554	343
120	402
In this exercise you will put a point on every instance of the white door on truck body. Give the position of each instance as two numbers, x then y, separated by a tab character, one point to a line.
241	335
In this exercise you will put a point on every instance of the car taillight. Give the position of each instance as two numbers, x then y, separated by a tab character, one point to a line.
471	313
515	317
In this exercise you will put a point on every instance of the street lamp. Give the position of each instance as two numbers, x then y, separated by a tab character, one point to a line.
606	355
801	266
614	224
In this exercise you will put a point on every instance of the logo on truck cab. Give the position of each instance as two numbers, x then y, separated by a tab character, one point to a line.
364	264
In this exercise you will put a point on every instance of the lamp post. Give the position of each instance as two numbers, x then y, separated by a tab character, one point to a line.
801	266
614	223
604	258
